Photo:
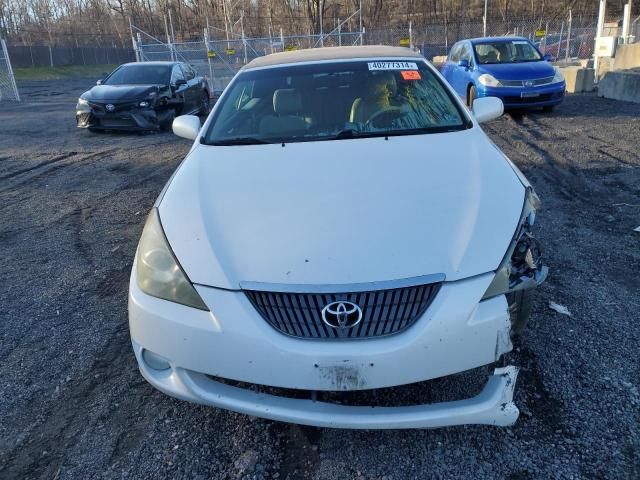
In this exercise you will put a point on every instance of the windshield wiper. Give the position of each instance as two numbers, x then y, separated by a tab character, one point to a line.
239	141
352	133
422	130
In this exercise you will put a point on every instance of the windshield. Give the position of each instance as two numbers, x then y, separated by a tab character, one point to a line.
139	75
506	52
327	101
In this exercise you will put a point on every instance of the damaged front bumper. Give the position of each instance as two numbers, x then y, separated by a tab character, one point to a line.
232	342
137	119
492	406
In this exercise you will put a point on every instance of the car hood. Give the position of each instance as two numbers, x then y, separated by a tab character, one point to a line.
519	71
119	93
342	212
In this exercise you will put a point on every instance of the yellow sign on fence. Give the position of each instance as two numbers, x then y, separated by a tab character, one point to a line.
541	32
211	54
405	42
231	51
290	48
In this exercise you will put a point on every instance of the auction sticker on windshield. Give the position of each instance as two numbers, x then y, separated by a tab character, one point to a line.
410	75
393	66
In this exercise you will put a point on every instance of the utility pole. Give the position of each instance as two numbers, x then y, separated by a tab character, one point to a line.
226	21
360	21
601	12
566	57
133	42
321	5
626	22
174	56
166	30
484	20
244	41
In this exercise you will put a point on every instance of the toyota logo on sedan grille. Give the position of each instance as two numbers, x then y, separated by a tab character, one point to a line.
341	314
110	107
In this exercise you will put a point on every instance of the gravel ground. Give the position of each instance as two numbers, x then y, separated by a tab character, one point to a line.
73	405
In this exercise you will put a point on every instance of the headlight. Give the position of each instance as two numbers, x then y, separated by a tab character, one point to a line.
489	80
82	101
558	77
158	272
144	104
521	267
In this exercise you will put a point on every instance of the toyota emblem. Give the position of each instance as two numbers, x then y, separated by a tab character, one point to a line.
110	107
341	314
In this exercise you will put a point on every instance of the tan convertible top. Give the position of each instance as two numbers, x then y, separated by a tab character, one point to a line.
332	53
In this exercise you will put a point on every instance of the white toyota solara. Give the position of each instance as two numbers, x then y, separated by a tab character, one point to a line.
340	223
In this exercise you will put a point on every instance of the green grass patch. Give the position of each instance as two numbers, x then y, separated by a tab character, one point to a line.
57	73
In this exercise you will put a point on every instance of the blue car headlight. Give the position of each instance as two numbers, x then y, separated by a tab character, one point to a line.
558	77
489	80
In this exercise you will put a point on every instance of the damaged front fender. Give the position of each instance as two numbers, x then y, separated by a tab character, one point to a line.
522	267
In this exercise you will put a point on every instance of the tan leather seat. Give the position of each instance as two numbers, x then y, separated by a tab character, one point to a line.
287	118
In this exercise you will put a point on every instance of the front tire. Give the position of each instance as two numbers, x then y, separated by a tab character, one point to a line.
168	121
205	104
520	303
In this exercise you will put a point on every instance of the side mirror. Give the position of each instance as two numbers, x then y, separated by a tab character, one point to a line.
464	63
487	108
548	57
180	82
186	126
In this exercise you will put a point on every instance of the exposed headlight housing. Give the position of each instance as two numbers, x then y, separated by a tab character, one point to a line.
521	268
489	80
158	272
558	77
83	101
144	104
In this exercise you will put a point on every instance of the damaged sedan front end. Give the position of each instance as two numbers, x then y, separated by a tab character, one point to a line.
150	113
143	96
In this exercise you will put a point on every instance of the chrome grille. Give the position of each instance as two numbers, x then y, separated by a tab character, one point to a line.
511	83
521	83
384	312
118	107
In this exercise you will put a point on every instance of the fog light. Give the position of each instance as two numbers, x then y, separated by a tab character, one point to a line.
155	361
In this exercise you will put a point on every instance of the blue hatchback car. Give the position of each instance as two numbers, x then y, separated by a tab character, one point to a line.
510	68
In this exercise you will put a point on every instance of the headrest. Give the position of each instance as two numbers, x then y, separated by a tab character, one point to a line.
380	83
286	102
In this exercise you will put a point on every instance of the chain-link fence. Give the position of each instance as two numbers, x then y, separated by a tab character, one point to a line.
8	87
47	56
220	59
570	38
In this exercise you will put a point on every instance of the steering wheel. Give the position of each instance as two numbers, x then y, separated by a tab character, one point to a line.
396	111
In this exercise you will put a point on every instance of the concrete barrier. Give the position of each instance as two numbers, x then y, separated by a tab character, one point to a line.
439	60
578	79
627	56
621	85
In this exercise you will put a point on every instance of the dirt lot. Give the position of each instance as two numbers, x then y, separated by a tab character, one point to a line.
73	405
